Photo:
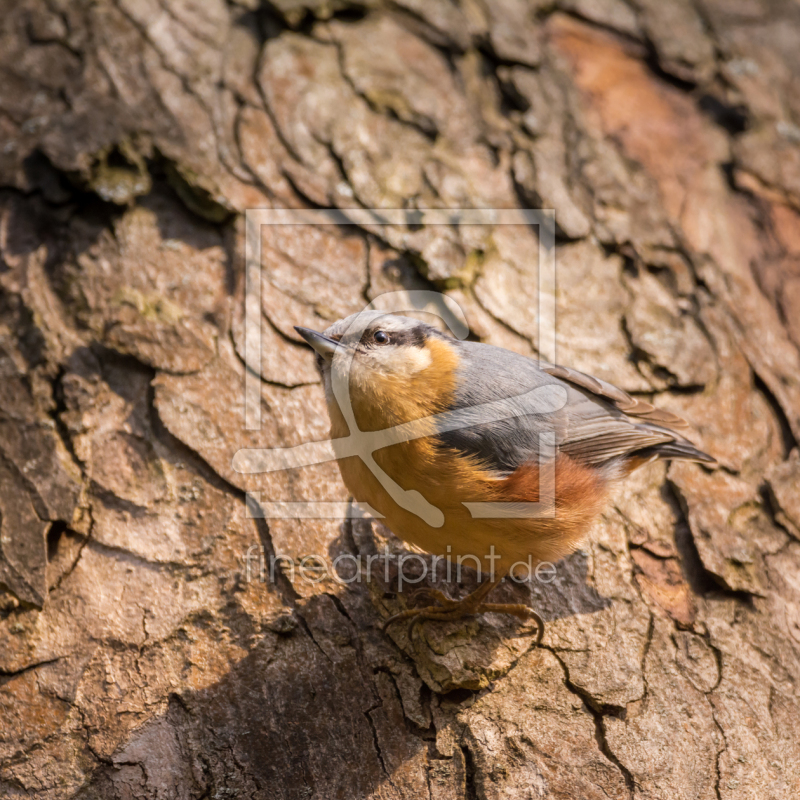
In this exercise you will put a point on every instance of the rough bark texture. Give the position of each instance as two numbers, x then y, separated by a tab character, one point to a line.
135	658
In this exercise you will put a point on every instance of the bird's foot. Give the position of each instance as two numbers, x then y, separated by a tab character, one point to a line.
447	610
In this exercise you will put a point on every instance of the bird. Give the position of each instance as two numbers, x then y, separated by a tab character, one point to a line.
480	424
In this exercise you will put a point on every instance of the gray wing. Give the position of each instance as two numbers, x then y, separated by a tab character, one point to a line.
599	424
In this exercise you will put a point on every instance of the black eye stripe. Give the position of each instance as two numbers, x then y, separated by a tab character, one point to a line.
414	337
410	337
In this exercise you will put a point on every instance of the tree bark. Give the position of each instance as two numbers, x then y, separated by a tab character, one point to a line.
141	652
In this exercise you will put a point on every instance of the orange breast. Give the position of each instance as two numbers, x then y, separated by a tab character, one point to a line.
448	480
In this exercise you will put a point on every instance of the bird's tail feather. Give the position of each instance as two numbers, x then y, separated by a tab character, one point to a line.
683	450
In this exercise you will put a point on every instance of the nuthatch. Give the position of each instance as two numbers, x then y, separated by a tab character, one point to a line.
590	438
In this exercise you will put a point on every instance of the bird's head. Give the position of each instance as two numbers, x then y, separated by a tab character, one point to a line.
398	365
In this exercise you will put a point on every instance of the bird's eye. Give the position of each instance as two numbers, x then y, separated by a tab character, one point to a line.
381	337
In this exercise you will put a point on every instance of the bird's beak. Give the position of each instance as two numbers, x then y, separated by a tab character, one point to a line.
322	344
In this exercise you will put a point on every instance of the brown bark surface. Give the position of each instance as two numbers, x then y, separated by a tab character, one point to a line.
136	660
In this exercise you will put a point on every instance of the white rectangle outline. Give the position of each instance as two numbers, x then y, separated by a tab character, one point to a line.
543	219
